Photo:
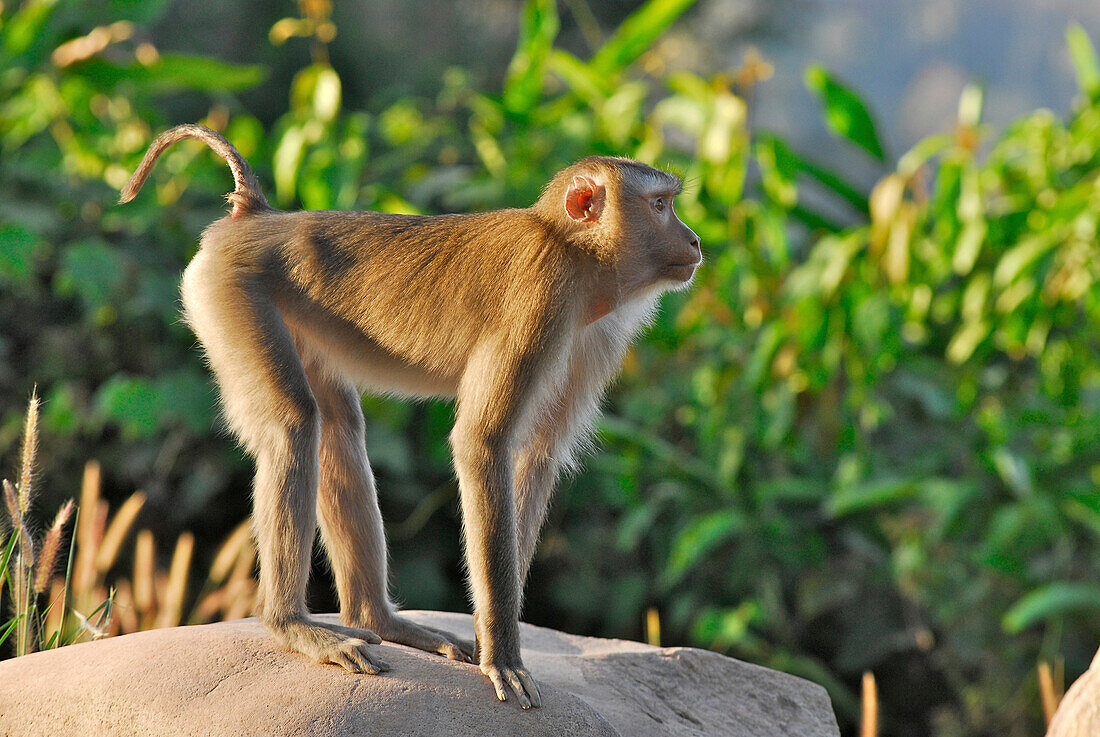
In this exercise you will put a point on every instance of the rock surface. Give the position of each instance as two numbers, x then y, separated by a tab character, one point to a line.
231	679
1078	714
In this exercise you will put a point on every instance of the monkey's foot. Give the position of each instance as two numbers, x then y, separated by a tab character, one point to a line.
330	643
406	632
518	679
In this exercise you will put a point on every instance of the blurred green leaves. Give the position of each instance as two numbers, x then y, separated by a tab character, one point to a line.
538	28
16	250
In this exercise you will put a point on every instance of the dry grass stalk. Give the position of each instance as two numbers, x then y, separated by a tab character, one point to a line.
87	584
243	600
230	588
1050	693
868	724
86	537
117	531
171	612
28	573
145	565
20	582
56	616
126	613
18	522
151	598
230	552
653	627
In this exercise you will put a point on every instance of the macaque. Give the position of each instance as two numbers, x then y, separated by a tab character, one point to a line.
521	316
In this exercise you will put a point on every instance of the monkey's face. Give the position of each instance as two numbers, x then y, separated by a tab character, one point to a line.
676	252
661	251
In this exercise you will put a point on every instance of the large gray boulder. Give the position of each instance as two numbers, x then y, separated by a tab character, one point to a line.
231	679
1078	714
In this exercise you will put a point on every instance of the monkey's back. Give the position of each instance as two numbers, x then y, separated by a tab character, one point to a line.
425	289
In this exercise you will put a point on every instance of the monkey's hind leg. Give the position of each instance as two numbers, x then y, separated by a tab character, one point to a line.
269	405
351	524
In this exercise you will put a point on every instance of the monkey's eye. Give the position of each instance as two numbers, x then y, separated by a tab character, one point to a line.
659	204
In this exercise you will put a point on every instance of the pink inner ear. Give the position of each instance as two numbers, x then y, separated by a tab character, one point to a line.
584	200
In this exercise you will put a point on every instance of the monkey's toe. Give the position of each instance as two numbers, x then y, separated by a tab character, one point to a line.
352	655
361	633
406	632
458	649
331	644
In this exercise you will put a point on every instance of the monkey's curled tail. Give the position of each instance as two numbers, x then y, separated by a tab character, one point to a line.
245	198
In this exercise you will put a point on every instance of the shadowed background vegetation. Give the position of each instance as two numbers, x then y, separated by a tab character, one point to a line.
867	439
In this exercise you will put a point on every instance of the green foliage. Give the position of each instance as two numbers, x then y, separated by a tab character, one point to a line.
865	439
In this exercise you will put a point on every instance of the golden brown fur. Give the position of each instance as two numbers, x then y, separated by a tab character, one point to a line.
523	316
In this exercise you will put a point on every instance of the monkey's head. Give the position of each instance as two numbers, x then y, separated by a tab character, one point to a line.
622	211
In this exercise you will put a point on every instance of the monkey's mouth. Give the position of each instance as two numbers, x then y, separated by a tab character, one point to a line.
681	272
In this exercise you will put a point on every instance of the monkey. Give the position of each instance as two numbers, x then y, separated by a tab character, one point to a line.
521	316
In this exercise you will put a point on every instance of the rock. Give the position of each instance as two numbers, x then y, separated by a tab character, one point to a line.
230	678
1078	714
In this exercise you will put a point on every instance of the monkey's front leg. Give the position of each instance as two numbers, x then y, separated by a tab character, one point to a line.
491	400
488	511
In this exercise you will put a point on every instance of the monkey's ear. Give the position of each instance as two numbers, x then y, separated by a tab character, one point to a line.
584	200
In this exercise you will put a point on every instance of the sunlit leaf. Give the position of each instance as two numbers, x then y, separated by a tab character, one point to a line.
1014	471
845	113
637	33
317	90
1057	599
1085	62
869	496
287	161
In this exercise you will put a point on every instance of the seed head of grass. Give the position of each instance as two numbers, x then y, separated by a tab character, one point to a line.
51	547
30	452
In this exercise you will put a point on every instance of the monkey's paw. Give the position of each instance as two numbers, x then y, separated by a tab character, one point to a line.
342	646
518	679
406	632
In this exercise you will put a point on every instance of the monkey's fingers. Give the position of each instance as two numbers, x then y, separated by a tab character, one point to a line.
520	682
517	686
531	687
498	684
